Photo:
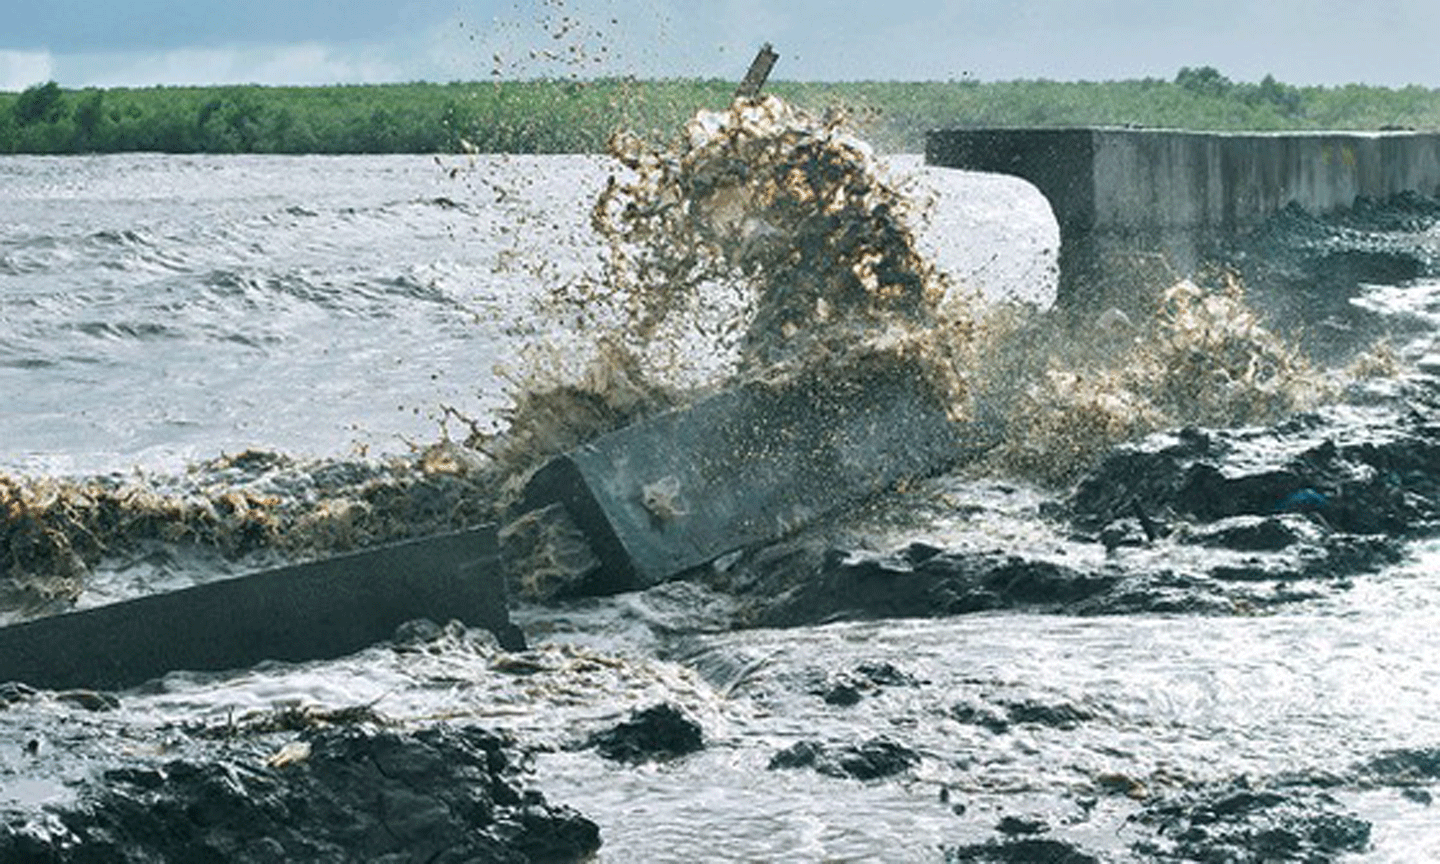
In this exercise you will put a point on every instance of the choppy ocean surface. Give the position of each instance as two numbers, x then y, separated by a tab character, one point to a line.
159	310
162	309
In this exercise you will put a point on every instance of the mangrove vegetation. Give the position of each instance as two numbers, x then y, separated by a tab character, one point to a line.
559	116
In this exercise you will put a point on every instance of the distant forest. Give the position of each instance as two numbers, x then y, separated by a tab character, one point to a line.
567	116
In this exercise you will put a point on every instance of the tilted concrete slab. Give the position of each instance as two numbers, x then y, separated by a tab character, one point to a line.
747	465
324	609
1168	199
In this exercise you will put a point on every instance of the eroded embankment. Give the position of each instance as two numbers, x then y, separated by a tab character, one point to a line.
1196	462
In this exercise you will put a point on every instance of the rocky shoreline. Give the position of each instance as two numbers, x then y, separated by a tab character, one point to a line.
1200	521
298	785
1210	522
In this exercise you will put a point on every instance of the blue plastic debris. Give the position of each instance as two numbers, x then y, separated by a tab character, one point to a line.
1305	500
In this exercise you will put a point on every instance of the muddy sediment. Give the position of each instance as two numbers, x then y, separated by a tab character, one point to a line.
61	538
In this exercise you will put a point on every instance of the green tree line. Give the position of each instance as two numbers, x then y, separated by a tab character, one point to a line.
556	116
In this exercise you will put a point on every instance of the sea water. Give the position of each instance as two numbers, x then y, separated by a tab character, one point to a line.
157	311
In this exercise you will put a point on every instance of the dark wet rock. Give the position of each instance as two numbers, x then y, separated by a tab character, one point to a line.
999	716
1028	850
1021	826
1371	473
849	688
1259	533
1303	269
1057	716
1124	532
1406	212
871	585
90	700
348	793
1177	574
870	760
1323	496
658	732
1403	766
1337	557
982	715
801	754
14	692
842	694
1235	822
886	675
1196	521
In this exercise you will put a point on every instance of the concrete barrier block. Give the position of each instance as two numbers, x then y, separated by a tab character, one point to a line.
319	610
744	466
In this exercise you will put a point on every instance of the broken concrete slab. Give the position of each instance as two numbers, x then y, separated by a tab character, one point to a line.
749	464
320	610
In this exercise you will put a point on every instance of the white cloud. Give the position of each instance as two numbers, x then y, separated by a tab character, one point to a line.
314	63
20	69
300	64
1299	41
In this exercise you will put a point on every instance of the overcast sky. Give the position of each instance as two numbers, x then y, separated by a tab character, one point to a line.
145	42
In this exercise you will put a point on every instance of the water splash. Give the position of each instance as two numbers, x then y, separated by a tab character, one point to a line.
764	240
1203	358
760	242
784	215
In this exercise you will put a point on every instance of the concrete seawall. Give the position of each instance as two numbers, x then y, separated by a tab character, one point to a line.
1145	205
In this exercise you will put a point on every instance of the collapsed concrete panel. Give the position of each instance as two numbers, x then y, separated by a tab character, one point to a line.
320	610
747	465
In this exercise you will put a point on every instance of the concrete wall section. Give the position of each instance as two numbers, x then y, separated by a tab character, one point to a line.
1237	181
1123	196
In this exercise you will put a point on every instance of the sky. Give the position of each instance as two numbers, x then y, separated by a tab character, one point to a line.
137	43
